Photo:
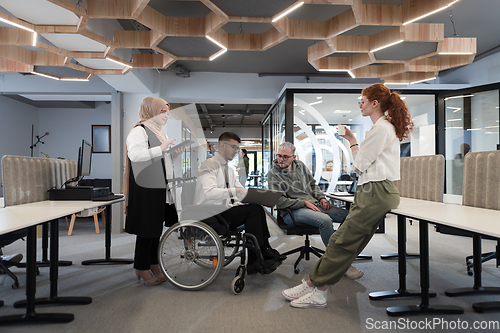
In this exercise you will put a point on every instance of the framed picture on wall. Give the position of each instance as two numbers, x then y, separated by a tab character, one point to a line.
101	138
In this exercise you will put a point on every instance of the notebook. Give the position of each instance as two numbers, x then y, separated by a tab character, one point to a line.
351	192
262	197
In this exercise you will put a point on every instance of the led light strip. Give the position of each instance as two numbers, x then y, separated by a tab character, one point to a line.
461	96
425	15
288	11
383	47
432	78
337	70
119	62
218	54
216	42
16	25
46	75
456	53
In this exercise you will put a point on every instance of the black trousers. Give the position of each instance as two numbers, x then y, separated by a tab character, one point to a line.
254	219
146	252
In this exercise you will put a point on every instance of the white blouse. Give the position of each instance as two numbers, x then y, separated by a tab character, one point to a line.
378	156
139	151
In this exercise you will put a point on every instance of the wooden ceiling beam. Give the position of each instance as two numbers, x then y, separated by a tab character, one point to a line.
82	23
341	23
148	60
386	37
213	22
17	21
271	38
15	36
94	55
247	42
221	37
416	9
382	14
7	65
216	10
423	32
319	50
124	39
457	45
112	9
80	68
378	71
359	60
56	29
38	58
351	44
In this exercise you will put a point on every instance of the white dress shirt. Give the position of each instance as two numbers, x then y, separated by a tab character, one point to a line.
139	151
378	156
211	186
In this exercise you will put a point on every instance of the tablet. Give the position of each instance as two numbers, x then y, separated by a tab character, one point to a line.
180	145
262	197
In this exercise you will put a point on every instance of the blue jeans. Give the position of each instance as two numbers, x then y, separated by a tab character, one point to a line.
321	220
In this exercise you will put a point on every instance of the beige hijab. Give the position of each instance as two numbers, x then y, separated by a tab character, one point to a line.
149	109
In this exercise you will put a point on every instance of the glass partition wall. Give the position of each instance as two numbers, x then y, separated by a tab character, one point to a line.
471	125
316	115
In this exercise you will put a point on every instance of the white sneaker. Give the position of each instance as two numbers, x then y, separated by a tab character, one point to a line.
353	273
314	299
297	291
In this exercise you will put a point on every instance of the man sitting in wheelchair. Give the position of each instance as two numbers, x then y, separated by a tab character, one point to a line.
219	187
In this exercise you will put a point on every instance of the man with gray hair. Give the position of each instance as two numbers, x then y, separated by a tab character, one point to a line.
303	197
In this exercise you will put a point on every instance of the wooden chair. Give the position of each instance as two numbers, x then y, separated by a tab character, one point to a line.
101	211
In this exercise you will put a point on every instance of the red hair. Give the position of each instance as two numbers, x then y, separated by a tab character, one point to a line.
391	102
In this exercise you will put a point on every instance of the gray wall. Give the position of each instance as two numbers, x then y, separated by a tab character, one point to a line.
67	128
16	119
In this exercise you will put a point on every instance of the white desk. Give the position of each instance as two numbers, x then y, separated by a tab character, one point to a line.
28	216
476	220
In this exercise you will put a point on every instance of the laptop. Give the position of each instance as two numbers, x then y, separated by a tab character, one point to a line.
351	192
262	197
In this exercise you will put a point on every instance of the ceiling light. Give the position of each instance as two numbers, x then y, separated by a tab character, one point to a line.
218	54
418	81
119	62
460	96
350	119
386	83
317	102
342	111
74	79
454	108
383	47
351	74
337	70
455	119
16	25
319	97
425	15
46	75
474	129
455	53
216	42
288	11
35	36
491	126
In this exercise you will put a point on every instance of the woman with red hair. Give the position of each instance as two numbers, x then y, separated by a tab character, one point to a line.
376	160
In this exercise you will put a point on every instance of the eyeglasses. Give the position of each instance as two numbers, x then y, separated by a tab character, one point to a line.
285	157
235	147
360	103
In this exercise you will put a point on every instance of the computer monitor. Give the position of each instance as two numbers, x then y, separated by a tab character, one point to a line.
84	159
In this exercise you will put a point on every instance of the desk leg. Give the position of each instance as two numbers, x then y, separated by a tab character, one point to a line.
31	316
477	288
395	255
107	260
45	248
401	292
53	299
424	306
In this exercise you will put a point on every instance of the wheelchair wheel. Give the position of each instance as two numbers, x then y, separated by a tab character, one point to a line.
238	285
191	255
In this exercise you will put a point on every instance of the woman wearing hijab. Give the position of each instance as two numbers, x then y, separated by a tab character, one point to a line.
148	201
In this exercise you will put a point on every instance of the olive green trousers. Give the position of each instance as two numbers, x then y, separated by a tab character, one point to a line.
371	202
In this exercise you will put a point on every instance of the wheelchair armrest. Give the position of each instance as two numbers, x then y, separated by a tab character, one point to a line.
211	211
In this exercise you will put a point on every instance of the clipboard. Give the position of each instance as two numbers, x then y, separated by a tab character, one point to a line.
180	145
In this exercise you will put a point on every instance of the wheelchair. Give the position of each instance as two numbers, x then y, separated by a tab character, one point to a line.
193	251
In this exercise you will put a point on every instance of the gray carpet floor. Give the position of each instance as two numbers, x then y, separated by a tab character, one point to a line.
120	304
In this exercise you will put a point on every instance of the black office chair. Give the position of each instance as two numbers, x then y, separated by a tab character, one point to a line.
7	239
300	229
